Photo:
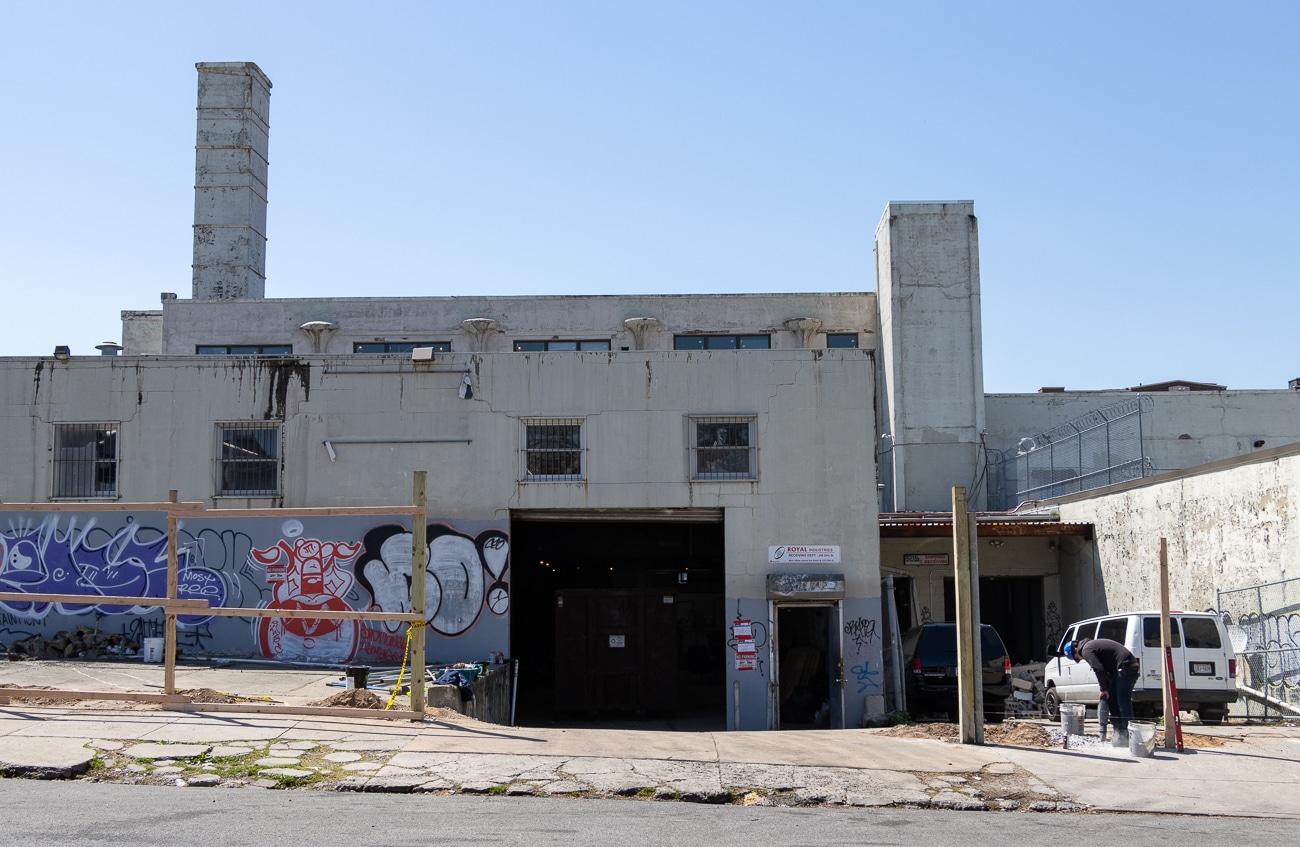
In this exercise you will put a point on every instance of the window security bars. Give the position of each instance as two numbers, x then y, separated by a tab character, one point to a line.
552	450
85	460
248	459
723	448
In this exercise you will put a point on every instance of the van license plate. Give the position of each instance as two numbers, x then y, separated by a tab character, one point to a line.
1203	668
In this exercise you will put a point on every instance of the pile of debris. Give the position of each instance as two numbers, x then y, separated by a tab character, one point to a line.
84	643
1026	700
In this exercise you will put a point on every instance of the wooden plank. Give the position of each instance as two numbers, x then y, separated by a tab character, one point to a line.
323	711
67	694
185	606
311	614
169	622
419	547
313	512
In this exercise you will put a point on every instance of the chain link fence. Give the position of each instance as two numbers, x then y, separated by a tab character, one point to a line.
1100	448
1264	624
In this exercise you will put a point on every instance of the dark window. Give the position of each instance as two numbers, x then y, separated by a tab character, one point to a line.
543	346
723	448
722	342
244	349
248	456
399	346
842	340
552	450
85	460
1201	634
1151	632
1115	629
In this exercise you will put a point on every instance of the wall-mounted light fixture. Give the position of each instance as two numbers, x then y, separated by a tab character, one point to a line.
62	352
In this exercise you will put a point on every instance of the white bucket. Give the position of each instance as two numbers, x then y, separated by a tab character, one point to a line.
151	649
1072	718
1141	738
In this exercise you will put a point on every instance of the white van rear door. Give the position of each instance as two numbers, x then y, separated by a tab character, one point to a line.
1205	656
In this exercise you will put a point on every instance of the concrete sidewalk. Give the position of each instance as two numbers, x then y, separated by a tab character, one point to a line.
1256	771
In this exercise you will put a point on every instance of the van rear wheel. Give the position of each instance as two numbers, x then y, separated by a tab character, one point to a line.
1052	705
1212	717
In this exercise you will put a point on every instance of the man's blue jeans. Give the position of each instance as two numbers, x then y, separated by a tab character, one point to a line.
1119	690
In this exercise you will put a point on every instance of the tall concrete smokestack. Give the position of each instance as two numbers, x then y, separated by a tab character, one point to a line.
230	182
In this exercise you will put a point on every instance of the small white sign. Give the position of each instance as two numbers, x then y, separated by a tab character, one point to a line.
803	553
618	641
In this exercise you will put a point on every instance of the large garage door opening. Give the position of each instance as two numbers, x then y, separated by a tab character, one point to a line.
617	622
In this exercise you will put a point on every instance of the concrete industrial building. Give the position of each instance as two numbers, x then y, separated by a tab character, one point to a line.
653	502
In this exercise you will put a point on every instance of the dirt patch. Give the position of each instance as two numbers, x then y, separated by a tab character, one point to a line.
208	695
1011	733
352	698
34	701
1203	742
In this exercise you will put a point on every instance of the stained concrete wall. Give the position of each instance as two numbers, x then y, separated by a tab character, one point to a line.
932	373
188	323
386	416
1184	428
1228	524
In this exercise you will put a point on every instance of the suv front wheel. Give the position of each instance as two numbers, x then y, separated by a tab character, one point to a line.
1052	705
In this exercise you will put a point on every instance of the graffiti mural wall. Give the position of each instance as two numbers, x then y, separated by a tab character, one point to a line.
331	563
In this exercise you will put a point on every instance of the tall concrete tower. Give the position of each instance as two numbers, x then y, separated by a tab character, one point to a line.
230	182
931	407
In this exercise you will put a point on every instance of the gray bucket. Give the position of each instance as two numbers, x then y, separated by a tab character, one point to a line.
1072	718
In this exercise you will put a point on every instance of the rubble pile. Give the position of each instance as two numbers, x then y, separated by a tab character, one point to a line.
1026	700
84	643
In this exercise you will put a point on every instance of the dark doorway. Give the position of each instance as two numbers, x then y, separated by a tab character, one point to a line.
617	622
1013	605
806	657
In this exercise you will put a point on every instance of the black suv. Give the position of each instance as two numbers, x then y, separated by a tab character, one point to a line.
930	667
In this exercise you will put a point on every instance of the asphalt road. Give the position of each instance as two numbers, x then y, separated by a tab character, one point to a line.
88	814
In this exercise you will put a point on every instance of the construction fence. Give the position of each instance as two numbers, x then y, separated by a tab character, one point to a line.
1264	624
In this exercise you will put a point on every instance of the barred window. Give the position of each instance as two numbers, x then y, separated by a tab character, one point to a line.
552	450
723	448
85	460
248	459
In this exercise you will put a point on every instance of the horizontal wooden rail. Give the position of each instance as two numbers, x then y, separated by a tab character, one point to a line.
311	614
183	606
66	694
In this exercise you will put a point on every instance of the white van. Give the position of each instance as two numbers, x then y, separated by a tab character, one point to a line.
1205	667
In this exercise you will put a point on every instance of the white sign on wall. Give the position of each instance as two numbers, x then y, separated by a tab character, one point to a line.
803	554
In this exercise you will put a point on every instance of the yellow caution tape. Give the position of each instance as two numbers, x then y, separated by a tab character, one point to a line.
405	655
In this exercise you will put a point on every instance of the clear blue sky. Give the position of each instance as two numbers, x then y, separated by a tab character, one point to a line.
1133	165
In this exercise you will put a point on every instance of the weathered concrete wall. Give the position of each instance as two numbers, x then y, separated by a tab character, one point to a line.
931	365
189	323
1184	429
1228	525
230	181
386	416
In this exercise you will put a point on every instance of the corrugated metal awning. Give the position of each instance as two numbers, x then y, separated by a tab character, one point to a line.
939	525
